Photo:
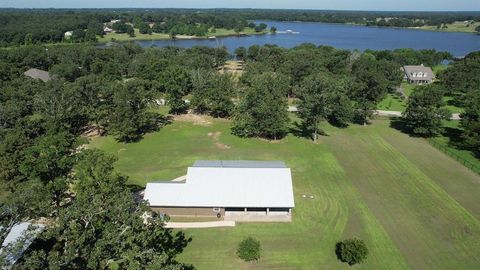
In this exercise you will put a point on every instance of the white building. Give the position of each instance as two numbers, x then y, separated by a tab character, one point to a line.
68	34
418	74
17	241
227	189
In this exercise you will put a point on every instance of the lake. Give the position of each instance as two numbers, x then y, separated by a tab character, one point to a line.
340	36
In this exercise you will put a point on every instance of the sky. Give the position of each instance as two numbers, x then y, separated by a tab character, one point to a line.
400	5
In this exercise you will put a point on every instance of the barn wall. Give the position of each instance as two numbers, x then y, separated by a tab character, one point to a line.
188	211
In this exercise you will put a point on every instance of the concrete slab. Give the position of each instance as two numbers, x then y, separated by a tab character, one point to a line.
257	217
209	224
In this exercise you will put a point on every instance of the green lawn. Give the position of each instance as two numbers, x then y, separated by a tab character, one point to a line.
392	103
158	36
453	27
415	207
125	37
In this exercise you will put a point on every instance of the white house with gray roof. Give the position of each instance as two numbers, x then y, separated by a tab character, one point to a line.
227	189
418	74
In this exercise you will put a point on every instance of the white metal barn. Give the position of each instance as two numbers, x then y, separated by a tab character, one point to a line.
236	190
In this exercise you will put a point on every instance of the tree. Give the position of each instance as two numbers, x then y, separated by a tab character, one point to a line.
273	29
261	27
471	122
104	227
90	36
95	94
130	119
28	39
249	249
96	27
351	251
424	112
78	35
241	53
176	82
462	76
130	31
370	86
319	95
262	111
212	93
238	28
477	29
144	28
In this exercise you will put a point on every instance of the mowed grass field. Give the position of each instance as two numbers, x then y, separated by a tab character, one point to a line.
220	32
453	27
415	207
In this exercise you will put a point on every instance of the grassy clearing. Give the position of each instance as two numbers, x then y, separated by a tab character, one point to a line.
125	37
392	103
221	32
414	206
453	27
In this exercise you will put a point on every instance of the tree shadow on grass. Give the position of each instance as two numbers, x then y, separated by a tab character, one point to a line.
298	129
155	122
399	124
454	135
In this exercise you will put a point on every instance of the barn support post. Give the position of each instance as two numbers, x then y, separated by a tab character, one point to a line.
268	211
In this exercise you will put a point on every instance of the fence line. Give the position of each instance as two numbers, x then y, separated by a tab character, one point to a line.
460	159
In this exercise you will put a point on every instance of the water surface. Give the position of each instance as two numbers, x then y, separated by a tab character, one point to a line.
341	36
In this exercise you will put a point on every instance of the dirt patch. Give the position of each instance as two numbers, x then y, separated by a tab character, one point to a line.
216	136
222	146
274	141
196	119
93	131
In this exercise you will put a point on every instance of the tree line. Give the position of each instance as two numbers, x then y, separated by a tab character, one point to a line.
337	86
20	27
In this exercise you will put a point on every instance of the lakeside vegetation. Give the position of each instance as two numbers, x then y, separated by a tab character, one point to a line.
220	32
458	26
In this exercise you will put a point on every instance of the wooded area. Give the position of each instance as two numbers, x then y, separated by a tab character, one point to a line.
45	173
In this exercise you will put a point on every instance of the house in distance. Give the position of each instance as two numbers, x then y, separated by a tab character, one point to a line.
418	74
231	190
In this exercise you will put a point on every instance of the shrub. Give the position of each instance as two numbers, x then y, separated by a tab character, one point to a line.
249	249
351	251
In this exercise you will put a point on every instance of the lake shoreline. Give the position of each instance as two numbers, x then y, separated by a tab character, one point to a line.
375	26
183	37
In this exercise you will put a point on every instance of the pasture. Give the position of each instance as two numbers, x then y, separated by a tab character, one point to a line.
415	207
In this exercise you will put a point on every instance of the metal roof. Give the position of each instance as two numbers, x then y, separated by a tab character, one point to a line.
412	71
239	164
21	234
226	186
